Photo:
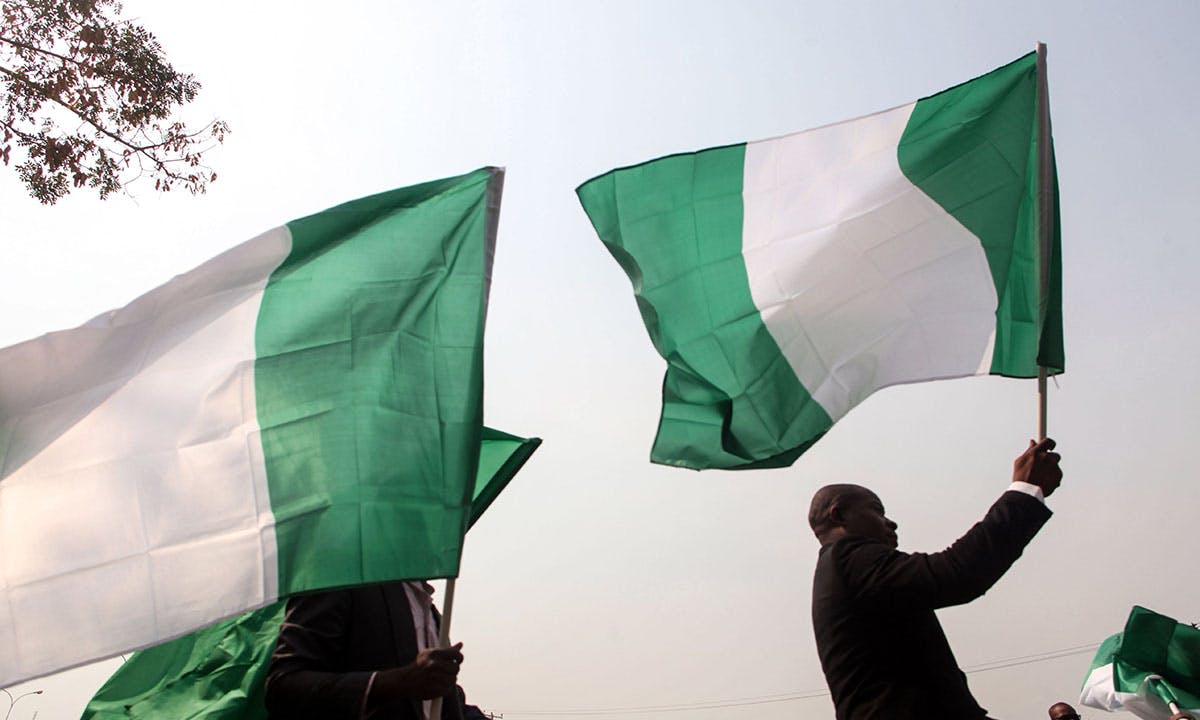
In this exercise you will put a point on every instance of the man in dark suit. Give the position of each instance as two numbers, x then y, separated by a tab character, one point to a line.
882	649
364	653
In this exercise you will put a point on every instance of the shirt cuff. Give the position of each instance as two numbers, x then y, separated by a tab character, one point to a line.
1029	489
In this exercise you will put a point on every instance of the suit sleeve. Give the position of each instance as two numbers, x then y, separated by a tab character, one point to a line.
300	681
875	572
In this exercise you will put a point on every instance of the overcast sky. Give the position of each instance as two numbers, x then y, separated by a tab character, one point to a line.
599	581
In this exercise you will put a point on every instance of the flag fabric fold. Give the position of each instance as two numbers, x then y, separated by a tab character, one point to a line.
1154	662
302	411
219	673
785	280
501	456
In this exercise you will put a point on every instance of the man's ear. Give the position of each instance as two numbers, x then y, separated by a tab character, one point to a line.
837	515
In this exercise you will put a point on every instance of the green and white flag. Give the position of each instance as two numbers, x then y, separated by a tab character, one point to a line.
786	280
302	411
1154	662
220	673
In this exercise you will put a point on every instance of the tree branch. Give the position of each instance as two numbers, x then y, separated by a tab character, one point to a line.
99	128
32	139
64	59
44	51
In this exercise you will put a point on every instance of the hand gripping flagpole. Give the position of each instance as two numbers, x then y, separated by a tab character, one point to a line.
1045	213
435	707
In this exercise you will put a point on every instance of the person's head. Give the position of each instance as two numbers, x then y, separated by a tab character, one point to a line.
841	510
1062	711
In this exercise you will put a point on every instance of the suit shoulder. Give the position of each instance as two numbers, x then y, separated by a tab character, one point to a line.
856	547
854	542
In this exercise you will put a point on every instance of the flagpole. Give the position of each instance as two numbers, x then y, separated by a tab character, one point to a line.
435	707
447	608
1164	693
1045	213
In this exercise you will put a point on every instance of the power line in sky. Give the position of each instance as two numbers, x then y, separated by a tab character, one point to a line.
1027	659
793	696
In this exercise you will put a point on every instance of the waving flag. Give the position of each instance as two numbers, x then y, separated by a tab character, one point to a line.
219	673
1153	663
786	280
300	412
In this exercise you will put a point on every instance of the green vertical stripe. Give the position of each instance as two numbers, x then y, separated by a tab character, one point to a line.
369	382
1051	354
729	396
973	150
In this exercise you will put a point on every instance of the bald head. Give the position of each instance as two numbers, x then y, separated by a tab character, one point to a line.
824	499
1062	711
845	509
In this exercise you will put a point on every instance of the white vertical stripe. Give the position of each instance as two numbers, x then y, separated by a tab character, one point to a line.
134	504
861	278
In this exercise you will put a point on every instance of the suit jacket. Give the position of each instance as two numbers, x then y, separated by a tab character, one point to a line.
330	644
882	649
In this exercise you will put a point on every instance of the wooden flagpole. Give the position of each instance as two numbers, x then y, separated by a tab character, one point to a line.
1045	212
435	707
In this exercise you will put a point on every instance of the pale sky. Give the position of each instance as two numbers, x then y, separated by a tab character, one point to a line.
599	581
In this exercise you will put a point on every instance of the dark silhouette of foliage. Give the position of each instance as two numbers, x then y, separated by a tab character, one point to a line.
88	100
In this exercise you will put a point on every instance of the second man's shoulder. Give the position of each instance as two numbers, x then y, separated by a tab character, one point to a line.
857	549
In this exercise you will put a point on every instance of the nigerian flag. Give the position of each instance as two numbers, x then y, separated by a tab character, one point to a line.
1154	662
786	280
220	673
302	411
